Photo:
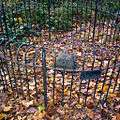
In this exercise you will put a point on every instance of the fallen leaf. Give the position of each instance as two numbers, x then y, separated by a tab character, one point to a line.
91	114
66	91
41	107
105	88
60	111
27	103
112	95
7	108
2	115
39	115
90	105
118	116
3	97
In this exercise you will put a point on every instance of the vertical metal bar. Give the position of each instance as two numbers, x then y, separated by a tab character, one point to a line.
63	81
4	19
57	20
104	80
89	81
73	71
90	25
72	11
18	15
115	31
44	77
80	84
103	23
87	92
86	10
34	9
93	62
49	17
96	85
26	74
110	82
77	17
34	69
99	27
107	32
1	18
26	14
81	19
54	75
30	15
111	30
63	78
95	20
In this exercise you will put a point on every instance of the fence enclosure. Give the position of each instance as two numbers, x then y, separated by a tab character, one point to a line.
24	68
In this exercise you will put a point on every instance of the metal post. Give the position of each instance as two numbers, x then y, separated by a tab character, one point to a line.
44	77
95	20
49	24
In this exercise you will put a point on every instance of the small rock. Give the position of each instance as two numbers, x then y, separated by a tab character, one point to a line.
32	110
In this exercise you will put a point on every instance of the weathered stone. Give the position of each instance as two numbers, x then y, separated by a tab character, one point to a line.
66	61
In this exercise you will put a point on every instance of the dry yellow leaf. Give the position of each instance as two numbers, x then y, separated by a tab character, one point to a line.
105	88
2	115
81	102
39	115
66	91
39	61
112	95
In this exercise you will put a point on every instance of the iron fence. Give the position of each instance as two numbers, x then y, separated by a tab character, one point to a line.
24	66
24	71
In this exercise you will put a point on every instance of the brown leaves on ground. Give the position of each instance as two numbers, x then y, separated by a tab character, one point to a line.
24	109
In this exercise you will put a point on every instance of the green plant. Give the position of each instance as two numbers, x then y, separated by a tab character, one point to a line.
61	19
62	13
41	15
17	38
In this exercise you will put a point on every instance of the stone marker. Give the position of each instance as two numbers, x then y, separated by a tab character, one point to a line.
66	61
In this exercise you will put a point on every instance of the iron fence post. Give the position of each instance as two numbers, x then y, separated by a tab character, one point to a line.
95	20
54	75
4	19
44	77
49	18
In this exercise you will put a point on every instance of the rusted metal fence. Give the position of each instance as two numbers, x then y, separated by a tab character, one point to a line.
24	66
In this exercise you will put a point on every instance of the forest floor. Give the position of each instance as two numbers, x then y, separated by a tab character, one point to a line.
21	108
